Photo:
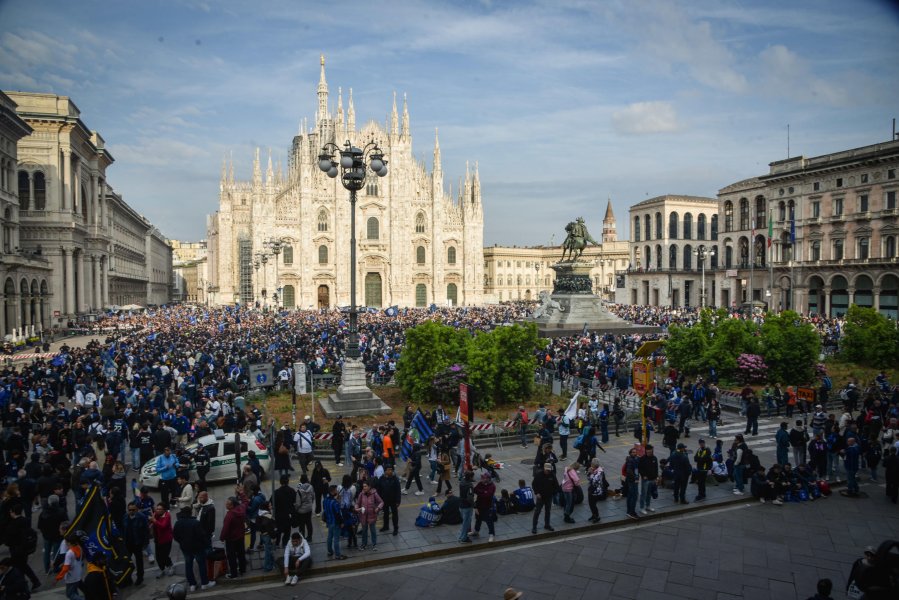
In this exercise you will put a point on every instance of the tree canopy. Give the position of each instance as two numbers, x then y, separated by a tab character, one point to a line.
869	338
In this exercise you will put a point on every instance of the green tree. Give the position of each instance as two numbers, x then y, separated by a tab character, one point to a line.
790	348
686	346
430	348
869	338
729	339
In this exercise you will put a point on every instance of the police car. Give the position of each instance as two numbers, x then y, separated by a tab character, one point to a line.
220	447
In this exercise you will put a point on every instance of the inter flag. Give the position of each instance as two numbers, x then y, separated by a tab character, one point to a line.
571	411
770	229
419	431
101	535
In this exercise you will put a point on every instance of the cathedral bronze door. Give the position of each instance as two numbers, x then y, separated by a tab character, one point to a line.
373	290
324	300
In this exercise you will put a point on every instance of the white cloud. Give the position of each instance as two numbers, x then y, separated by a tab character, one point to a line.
158	152
788	74
646	117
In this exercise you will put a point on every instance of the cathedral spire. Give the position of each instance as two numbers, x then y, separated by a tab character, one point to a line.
394	119
224	168
609	228
231	169
351	115
438	167
405	116
476	186
257	171
340	122
322	113
269	172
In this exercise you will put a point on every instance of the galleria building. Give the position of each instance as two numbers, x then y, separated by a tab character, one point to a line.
416	243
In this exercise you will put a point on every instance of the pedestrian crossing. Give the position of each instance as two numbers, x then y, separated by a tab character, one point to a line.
762	443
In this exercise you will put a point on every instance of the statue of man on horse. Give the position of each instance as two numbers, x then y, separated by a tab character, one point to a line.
577	239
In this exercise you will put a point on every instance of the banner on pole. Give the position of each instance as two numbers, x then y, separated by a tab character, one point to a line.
299	377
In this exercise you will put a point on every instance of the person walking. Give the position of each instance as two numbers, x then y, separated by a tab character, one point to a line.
189	534
305	447
703	460
72	567
680	464
466	505
161	526
22	542
137	536
389	490
545	486
753	411
332	516
414	470
232	534
167	470
521	422
48	523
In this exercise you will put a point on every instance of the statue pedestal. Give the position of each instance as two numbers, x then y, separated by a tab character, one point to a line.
353	398
578	306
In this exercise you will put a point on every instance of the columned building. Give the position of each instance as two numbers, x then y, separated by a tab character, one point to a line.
189	270
100	251
670	235
417	244
25	274
521	273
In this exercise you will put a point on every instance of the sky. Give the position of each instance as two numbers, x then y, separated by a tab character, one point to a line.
563	104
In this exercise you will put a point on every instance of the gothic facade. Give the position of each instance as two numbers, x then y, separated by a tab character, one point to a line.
417	244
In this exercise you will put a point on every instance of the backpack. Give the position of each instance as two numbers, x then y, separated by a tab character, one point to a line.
844	395
826	383
751	458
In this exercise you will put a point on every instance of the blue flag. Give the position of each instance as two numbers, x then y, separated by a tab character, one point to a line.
793	231
102	536
418	433
432	309
392	311
151	337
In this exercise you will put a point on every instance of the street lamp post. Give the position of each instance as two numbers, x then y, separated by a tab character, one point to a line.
276	245
256	265
352	176
536	278
701	254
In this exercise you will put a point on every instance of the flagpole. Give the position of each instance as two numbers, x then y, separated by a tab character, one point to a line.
751	266
770	254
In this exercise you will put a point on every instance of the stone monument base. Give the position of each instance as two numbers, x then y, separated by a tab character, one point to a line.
573	305
353	398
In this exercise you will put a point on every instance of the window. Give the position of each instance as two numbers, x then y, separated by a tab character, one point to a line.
636	229
289	298
816	209
714	260
890	200
672	258
372	228
863	203
839	182
744	214
889	246
519	280
760	212
40	191
420	255
816	251
658	257
728	257
658	225
452	294
421	295
228	449
647	251
323	220
372	188
322	255
672	226
837	207
24	190
864	178
288	255
647	228
838	249
688	226
714	227
373	289
816	186
891	173
729	216
791	209
509	280
782	211
420	223
700	227
863	248
451	255
688	257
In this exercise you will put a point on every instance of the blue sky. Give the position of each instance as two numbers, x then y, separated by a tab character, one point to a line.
564	103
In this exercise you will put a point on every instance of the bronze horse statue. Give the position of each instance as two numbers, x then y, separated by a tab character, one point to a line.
576	241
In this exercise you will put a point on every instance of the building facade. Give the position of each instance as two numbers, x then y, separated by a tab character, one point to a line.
100	251
189	272
416	243
521	273
26	275
671	241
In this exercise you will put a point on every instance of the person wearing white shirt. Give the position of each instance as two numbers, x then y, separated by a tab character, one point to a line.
305	448
297	559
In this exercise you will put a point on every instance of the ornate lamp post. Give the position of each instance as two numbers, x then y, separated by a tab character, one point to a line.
275	245
262	257
256	264
702	253
536	278
352	175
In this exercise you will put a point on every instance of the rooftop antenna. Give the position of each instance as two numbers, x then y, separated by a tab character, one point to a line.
788	140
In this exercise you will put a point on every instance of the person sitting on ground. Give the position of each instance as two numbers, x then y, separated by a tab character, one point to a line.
505	505
297	558
523	497
429	515
450	512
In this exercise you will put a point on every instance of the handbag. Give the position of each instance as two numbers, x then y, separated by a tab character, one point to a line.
853	592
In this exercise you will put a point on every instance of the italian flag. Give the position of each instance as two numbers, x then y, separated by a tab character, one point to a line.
770	229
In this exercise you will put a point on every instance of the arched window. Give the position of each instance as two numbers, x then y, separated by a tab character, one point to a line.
728	216
688	257
714	228
815	251
714	259
700	227
372	188
672	257
509	280
658	257
672	226
647	251
728	256
372	228
323	255
647	228
889	246
636	229
781	211
452	294
84	202
288	298
519	280
40	191
451	255
744	214
420	223
658	225
421	295
760	212
863	247
323	220
838	250
791	209
688	226
24	191
420	255
288	255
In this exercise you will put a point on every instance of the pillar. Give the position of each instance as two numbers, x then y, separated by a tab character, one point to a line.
103	203
81	303
31	190
96	268
104	263
77	206
93	207
827	301
875	294
851	292
66	178
69	304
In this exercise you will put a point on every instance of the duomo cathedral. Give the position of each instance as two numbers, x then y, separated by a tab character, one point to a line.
417	244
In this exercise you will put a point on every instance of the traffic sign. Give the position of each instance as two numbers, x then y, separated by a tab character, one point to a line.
261	375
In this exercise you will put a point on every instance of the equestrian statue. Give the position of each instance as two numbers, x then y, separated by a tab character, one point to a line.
577	239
